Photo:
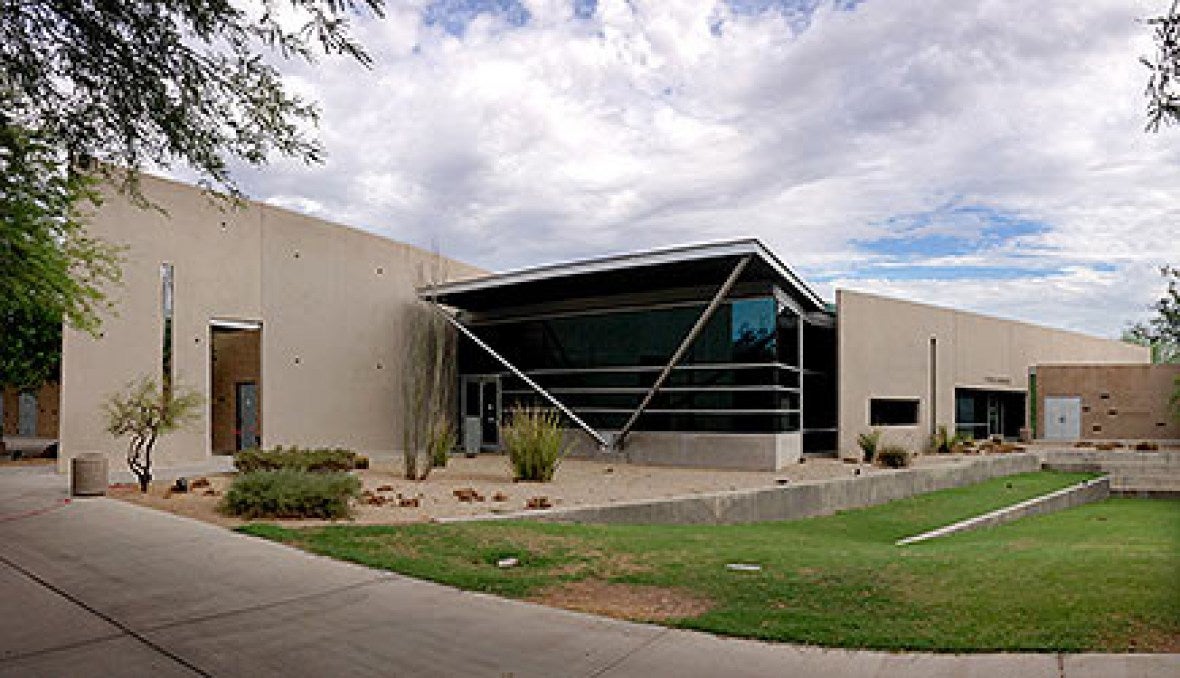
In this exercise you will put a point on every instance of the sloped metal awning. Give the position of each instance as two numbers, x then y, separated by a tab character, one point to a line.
717	267
636	273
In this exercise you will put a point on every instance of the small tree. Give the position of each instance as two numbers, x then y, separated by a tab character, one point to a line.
1162	331
143	414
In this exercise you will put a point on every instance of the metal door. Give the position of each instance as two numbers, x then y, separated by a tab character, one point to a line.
481	413
490	413
1063	418
247	415
26	424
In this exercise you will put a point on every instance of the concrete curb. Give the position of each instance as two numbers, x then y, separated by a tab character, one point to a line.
1075	495
788	502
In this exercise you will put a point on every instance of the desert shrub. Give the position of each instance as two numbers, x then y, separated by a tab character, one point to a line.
441	441
894	456
944	442
533	440
289	493
323	460
868	443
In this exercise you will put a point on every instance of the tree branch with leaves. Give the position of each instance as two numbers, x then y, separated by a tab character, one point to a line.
135	85
1163	85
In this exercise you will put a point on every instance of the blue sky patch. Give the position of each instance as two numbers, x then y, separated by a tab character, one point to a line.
798	13
950	230
453	16
584	9
991	242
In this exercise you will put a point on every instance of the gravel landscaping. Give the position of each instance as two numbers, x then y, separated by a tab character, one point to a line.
483	485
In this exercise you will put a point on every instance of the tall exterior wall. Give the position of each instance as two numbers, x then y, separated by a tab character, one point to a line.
884	351
1119	402
313	285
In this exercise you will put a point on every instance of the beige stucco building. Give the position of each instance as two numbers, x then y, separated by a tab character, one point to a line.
291	327
963	370
294	330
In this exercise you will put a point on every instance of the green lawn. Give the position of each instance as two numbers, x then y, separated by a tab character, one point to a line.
1104	576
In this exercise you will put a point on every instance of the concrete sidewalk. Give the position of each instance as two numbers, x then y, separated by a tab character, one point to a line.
99	587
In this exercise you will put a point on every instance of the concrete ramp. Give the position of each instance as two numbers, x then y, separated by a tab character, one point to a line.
1076	495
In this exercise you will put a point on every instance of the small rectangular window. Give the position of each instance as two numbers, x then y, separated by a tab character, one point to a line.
893	412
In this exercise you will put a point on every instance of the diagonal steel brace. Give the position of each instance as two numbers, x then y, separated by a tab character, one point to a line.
722	292
521	375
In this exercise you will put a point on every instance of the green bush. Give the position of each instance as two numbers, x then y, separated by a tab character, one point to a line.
894	456
323	460
289	493
868	443
533	441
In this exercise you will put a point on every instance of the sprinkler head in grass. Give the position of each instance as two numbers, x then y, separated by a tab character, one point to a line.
743	567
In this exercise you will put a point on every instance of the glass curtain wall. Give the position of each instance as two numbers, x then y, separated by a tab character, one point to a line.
740	375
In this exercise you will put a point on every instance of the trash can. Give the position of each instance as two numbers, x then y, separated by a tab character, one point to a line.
88	475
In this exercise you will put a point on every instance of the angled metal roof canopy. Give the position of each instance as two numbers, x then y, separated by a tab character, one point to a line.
686	266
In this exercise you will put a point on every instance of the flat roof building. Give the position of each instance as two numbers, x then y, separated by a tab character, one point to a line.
716	355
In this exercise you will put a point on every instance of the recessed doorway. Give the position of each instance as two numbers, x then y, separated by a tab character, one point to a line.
481	405
235	402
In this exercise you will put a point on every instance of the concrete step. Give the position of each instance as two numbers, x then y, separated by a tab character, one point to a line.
1169	482
1123	456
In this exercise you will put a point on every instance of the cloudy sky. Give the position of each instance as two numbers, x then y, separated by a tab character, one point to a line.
987	155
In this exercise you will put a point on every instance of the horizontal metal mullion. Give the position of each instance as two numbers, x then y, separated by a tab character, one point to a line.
581	313
592	390
611	410
656	368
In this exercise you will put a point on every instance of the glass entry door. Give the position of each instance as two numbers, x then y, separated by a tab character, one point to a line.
481	413
995	416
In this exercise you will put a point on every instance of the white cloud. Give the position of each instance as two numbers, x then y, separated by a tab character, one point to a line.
515	146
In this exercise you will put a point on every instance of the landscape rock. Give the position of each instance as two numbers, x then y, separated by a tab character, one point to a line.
541	502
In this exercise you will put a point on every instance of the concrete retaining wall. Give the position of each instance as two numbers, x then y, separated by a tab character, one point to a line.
792	502
732	451
1075	495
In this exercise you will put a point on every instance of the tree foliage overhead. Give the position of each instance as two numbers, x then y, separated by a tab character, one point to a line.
1163	87
133	84
1162	330
50	269
166	81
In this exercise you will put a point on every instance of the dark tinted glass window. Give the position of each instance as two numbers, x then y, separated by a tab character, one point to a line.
739	331
893	411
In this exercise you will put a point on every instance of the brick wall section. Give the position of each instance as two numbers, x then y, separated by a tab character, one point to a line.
1119	402
48	405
